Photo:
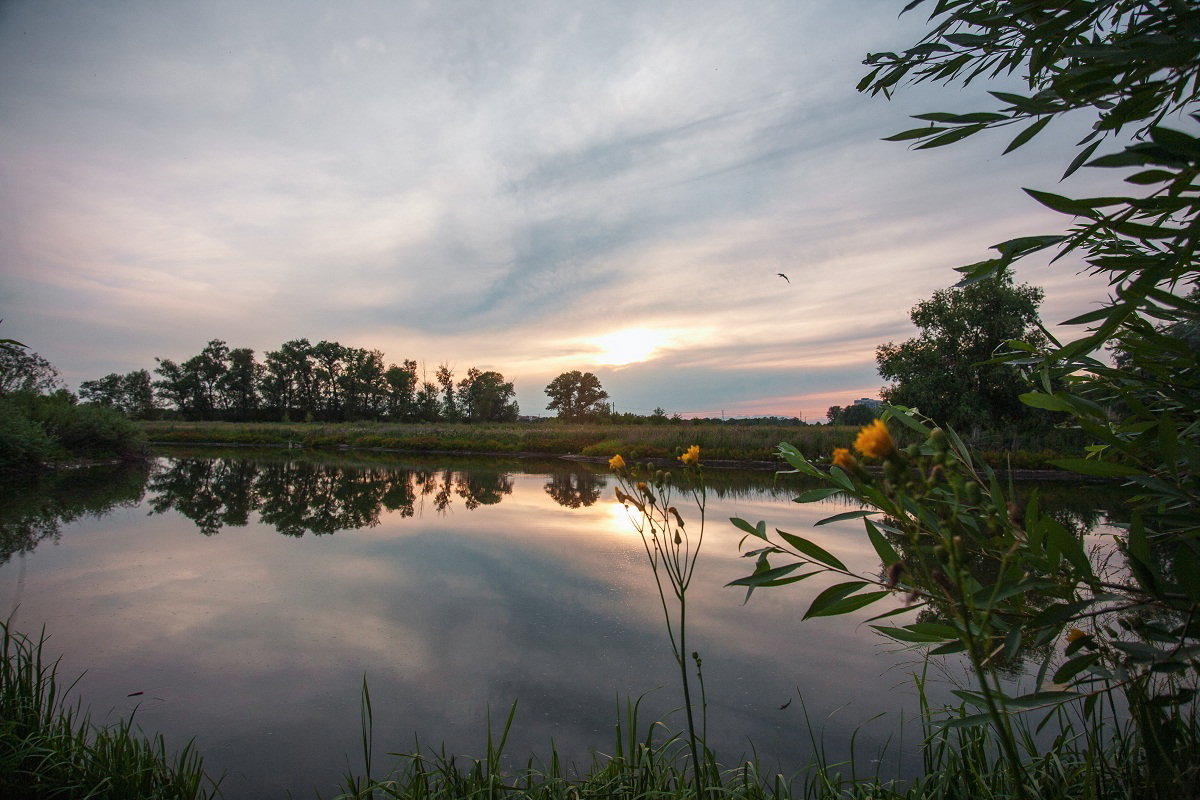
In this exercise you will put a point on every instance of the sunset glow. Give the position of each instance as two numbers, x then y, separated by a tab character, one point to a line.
629	346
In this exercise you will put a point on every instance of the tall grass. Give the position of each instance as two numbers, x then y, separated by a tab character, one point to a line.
50	749
1091	756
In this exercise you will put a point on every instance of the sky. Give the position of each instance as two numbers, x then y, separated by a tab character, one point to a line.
527	187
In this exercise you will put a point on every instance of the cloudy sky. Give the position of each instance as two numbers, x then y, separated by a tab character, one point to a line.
528	187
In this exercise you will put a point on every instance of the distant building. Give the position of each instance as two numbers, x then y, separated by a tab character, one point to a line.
869	402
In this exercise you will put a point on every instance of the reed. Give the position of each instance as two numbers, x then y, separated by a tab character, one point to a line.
51	749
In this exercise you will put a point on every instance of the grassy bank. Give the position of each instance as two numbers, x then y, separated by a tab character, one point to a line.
718	442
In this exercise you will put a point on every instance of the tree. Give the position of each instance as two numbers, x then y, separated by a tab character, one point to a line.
401	385
25	371
132	394
486	397
576	395
942	371
239	386
445	380
855	414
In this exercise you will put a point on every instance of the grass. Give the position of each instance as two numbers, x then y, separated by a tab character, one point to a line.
50	749
719	442
1093	758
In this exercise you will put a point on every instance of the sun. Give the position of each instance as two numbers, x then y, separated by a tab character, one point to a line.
629	346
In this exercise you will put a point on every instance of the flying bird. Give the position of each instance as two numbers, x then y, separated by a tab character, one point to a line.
789	702
785	277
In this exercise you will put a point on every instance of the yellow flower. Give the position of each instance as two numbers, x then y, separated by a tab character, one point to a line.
616	462
873	440
1074	634
842	457
692	456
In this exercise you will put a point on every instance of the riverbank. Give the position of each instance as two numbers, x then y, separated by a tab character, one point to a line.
723	444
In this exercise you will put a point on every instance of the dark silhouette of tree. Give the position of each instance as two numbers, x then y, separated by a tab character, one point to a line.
576	395
23	371
132	394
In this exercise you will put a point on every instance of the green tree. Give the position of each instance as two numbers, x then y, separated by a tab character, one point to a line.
854	414
576	396
942	371
486	397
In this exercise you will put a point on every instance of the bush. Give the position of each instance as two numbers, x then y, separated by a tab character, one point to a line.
23	442
70	430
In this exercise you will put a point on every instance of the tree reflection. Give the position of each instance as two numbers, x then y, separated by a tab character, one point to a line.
34	511
298	497
575	489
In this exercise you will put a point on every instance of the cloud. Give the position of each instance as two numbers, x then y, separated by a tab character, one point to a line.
483	185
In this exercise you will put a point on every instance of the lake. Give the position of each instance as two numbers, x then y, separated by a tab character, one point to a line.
241	598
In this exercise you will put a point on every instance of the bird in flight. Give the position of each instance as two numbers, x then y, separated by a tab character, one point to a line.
785	277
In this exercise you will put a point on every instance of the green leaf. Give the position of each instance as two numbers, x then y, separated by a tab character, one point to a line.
1047	401
815	495
1150	176
839	476
1027	134
842	517
883	548
906	635
766	576
913	133
1036	700
950	136
1024	245
1177	142
1064	205
1100	469
811	550
1075	666
969	721
759	530
833	601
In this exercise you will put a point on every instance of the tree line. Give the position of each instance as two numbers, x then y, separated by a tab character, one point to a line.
302	381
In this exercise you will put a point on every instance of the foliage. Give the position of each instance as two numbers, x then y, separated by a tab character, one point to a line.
80	430
999	575
24	444
49	749
1133	66
576	396
326	381
132	393
486	397
856	414
943	371
25	371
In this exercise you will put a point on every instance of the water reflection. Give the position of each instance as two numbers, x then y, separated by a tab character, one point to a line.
302	496
471	584
34	510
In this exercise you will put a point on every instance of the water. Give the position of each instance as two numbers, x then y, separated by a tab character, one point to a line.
241	600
